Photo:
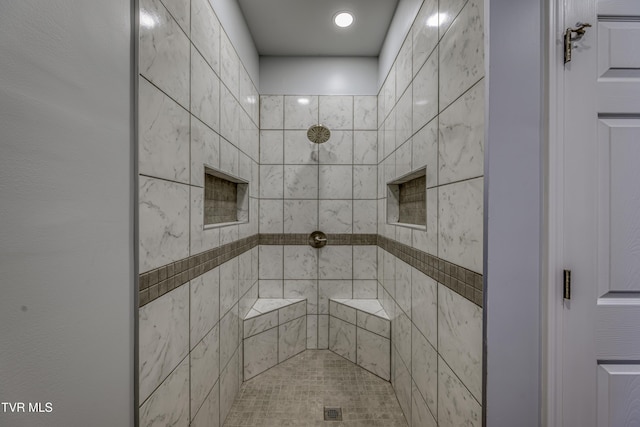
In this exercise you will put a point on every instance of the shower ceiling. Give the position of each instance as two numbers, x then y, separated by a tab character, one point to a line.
306	28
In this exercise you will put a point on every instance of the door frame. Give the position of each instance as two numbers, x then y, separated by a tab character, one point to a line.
552	244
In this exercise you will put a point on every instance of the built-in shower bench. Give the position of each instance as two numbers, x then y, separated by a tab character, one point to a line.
360	331
274	330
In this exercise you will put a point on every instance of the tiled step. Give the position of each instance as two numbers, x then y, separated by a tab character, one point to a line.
274	330
360	331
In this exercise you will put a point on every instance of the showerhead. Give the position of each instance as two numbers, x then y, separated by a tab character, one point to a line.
318	134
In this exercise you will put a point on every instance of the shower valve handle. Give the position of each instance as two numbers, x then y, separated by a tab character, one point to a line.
317	239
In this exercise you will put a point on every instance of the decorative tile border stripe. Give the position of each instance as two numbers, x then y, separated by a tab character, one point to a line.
155	283
332	239
466	283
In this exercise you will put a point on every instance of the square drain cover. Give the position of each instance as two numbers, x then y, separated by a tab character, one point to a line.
332	414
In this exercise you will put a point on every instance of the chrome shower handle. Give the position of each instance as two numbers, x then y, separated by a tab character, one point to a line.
317	239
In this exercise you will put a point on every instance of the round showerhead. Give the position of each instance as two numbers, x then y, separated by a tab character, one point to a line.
318	134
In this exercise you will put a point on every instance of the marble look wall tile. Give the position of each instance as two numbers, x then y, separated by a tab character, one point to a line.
271	147
230	378
425	152
427	241
404	117
204	305
164	135
270	288
461	142
312	332
460	225
292	338
389	92
336	112
298	150
342	338
271	262
403	159
332	289
163	338
364	216
230	70
300	262
229	335
208	415
365	180
260	353
390	133
462	53
403	235
380	143
389	274
335	182
420	414
300	112
229	158
365	289
447	12
402	385
338	150
205	150
205	91
247	300
425	93
401	336
164	52
374	353
335	262
403	286
424	303
374	324
323	331
425	369
456	406
460	338
271	181
205	32
229	116
271	216
364	262
229	284
201	239
229	234
365	115
335	216
164	222
169	404
306	289
424	33
365	147
404	67
180	11
271	112
292	311
300	216
342	312
300	182
204	361
248	95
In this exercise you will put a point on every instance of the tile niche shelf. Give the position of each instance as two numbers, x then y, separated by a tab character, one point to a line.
226	199
407	200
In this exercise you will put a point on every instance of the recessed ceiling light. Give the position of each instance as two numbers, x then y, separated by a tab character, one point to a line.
343	19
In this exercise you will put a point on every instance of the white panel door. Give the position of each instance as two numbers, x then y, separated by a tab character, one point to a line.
601	217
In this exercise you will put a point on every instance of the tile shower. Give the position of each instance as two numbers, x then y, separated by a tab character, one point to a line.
199	107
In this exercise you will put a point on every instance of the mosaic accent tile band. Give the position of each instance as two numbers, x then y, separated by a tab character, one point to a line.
155	283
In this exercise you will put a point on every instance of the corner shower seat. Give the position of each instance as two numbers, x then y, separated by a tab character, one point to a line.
274	330
360	331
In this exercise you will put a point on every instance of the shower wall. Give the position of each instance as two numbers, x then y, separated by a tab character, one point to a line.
431	113
329	187
197	106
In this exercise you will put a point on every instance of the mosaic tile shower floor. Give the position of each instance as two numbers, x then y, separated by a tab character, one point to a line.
295	393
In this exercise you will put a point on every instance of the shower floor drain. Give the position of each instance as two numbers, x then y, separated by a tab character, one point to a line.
332	414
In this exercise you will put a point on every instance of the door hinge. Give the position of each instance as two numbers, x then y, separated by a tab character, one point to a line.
569	38
566	288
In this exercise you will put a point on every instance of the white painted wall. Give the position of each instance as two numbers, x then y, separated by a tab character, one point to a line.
66	218
318	75
513	215
398	30
234	24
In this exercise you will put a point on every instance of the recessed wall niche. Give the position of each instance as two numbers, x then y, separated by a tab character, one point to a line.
407	199
226	199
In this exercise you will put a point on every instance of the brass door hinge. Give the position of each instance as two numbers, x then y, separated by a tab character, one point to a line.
566	288
569	38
